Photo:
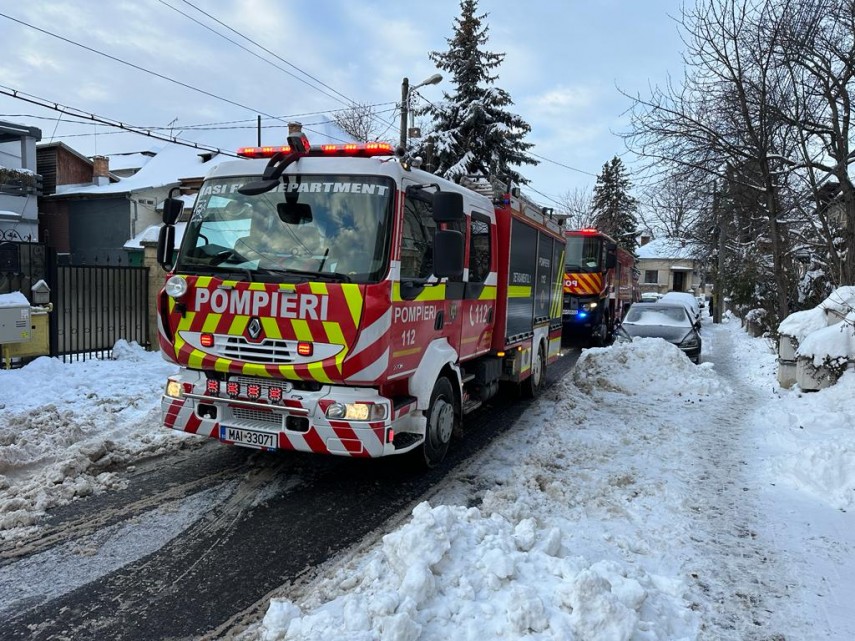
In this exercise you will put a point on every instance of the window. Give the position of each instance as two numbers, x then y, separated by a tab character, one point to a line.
651	276
417	240
479	249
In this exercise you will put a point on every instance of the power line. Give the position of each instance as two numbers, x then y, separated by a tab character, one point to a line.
76	113
248	39
349	100
249	51
555	162
134	66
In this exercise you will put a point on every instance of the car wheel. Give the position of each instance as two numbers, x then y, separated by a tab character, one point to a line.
442	416
533	385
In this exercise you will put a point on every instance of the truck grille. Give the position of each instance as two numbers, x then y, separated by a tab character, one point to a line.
251	417
267	351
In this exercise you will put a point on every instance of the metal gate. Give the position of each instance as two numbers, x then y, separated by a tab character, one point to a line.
23	264
95	307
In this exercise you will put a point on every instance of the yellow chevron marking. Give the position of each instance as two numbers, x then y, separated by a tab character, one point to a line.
353	296
407	352
211	322
270	326
519	291
301	330
488	293
318	373
429	293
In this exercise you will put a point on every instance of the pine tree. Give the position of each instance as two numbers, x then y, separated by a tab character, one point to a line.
472	132
613	206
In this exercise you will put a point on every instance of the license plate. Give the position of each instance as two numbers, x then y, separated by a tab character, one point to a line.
570	312
248	438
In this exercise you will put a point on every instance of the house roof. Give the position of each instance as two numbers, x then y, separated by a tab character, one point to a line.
10	131
667	248
168	167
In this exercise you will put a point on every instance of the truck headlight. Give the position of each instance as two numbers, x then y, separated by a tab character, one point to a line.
176	287
356	412
589	306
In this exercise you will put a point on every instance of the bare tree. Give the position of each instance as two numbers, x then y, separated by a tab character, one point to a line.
721	120
363	123
576	205
817	48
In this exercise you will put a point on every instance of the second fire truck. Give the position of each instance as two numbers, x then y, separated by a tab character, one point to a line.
600	282
333	299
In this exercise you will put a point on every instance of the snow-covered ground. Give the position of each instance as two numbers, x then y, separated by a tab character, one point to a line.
642	498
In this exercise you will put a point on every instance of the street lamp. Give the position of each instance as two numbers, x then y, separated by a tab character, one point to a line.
406	92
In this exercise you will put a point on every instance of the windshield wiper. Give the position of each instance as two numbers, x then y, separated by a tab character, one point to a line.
333	277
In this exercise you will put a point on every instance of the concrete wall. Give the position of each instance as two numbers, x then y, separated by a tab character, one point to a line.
156	278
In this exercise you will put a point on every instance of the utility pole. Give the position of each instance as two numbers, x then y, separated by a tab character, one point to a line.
405	100
718	295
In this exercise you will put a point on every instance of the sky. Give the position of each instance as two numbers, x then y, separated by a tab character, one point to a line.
564	65
641	498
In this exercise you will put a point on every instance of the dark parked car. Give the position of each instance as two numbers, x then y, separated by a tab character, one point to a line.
671	322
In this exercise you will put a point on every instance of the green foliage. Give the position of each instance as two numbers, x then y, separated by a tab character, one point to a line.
472	131
613	207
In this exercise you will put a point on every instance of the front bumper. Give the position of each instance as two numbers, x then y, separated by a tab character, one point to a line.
298	422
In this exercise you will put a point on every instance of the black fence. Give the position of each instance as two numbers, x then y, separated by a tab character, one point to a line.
96	306
93	306
23	264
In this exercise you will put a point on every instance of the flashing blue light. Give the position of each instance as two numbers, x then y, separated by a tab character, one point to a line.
582	314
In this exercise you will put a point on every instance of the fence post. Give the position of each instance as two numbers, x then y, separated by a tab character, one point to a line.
155	284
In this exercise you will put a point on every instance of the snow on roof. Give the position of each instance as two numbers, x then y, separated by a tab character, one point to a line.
171	164
136	160
667	248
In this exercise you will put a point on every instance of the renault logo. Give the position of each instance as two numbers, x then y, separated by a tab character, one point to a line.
254	328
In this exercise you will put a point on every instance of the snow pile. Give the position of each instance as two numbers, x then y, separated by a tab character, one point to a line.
454	573
553	549
830	345
646	365
66	428
828	312
813	442
15	299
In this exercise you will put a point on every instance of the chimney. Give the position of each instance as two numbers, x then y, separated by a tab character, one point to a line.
100	170
645	238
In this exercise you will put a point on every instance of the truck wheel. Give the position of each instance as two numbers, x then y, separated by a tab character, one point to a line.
533	385
441	420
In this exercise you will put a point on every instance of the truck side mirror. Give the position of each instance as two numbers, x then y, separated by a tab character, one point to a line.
447	207
611	255
448	245
166	246
172	208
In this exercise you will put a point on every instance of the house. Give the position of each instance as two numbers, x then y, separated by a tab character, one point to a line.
89	211
669	264
20	184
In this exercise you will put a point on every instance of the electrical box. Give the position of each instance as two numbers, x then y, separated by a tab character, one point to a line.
15	323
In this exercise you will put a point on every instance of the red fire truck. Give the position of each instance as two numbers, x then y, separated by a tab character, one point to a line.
333	299
600	282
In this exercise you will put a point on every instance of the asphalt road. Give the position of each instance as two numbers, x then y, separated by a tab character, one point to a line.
263	521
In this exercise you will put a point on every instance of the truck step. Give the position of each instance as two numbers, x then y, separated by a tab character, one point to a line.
405	439
472	405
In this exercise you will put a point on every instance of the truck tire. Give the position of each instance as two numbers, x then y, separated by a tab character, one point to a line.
533	385
442	416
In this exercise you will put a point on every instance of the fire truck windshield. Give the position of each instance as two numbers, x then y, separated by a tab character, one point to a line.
329	227
584	254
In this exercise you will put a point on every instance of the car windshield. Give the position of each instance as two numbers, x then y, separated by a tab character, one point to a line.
670	316
583	254
326	227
